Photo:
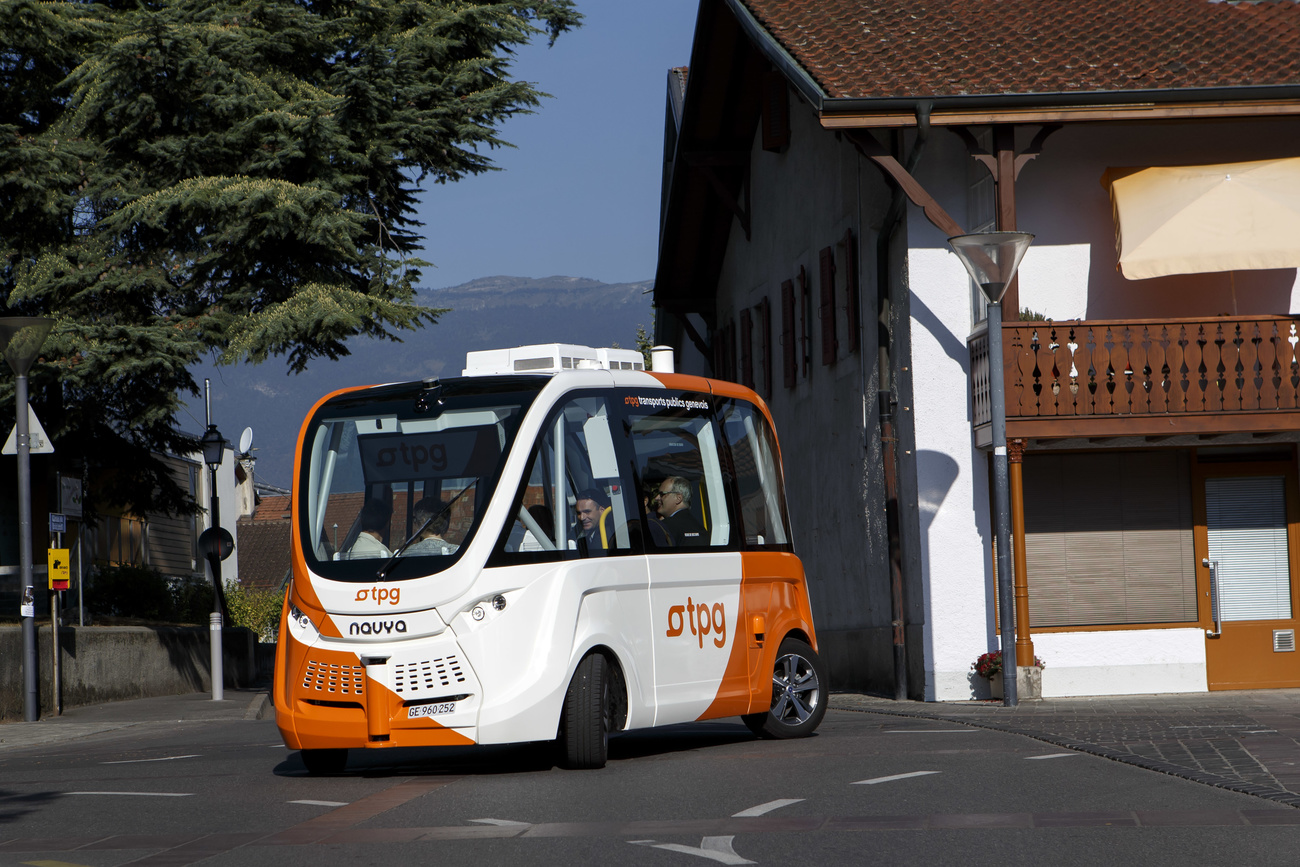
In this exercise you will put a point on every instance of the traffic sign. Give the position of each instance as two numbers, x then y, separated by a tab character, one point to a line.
58	523
216	542
60	568
37	440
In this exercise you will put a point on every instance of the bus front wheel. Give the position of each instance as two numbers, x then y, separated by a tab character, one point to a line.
799	694
591	711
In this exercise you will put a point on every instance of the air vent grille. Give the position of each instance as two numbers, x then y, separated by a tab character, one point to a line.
334	678
429	674
1283	640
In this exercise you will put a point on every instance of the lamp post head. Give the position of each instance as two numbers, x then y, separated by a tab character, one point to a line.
214	447
21	338
991	258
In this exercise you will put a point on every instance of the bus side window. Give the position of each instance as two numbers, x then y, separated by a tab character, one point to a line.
758	476
680	462
573	502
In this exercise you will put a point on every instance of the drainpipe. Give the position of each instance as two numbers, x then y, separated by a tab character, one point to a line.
887	403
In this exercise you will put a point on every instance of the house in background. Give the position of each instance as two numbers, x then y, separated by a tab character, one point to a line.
819	153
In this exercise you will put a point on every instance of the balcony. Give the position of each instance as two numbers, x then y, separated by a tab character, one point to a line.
1142	377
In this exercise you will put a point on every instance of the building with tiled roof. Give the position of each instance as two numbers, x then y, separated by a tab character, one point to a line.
819	155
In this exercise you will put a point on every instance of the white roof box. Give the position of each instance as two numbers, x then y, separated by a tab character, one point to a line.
550	358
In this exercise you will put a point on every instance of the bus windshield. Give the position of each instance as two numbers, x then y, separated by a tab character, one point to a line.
406	471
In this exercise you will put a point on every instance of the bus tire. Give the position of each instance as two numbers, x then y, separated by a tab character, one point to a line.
799	694
324	763
587	719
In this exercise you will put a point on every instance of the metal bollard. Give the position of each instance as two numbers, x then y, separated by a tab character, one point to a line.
214	633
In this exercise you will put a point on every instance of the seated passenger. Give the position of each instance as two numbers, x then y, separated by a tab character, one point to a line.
369	543
654	521
673	505
430	540
590	506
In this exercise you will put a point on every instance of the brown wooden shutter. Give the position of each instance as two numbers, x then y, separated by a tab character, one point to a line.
830	346
765	340
789	367
805	321
851	290
746	349
776	112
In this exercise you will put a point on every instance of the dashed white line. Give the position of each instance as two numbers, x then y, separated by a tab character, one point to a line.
503	823
765	808
141	761
140	794
893	778
714	848
1051	756
926	731
321	803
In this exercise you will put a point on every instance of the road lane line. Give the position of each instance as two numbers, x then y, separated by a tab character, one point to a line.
141	794
1050	756
504	823
713	848
342	818
322	803
927	731
891	779
765	808
141	761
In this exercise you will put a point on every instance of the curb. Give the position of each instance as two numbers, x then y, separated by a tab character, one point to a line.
1280	796
260	707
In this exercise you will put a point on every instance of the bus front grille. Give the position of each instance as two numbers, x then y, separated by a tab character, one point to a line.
429	674
331	677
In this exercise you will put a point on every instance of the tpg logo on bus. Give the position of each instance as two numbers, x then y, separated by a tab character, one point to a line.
702	619
380	595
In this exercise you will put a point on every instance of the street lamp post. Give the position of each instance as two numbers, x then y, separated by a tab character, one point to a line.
991	258
21	338
214	447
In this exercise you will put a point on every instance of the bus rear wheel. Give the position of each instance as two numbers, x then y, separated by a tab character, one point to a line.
593	708
324	763
799	694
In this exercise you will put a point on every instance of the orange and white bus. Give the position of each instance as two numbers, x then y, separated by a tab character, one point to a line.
556	546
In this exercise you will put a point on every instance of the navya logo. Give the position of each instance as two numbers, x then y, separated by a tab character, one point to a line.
703	621
377	627
379	594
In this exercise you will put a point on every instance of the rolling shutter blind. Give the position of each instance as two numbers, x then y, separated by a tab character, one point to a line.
805	321
1245	520
851	289
776	112
788	365
1108	538
829	345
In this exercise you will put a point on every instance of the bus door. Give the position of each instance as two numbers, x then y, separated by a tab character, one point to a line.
575	507
692	551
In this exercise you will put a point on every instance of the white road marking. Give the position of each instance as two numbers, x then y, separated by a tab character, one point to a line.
141	794
322	803
141	761
891	779
714	848
1051	756
504	823
765	808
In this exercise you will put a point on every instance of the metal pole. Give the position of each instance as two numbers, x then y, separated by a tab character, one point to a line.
1002	507
214	564
31	697
56	683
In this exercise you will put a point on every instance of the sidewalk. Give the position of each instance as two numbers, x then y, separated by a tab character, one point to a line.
80	722
1244	741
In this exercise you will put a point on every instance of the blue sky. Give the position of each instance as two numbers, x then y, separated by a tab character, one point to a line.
579	194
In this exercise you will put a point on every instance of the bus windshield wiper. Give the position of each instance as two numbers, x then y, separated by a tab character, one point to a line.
397	555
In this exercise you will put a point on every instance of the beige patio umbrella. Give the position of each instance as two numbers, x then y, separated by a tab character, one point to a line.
1195	219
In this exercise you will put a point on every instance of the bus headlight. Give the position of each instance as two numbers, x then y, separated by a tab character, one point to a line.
301	623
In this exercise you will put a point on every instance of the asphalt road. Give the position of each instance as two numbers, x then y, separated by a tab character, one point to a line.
868	788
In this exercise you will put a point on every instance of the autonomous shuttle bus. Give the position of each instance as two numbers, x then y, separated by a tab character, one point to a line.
556	546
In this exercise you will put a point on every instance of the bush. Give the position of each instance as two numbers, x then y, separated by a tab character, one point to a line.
259	610
143	593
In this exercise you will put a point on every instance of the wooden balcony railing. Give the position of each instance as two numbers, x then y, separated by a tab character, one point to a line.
1109	369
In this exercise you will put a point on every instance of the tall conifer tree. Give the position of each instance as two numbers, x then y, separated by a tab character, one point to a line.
182	178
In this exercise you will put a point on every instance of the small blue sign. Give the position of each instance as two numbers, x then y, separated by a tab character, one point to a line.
58	523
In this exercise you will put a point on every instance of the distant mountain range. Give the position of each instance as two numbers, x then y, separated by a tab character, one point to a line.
488	313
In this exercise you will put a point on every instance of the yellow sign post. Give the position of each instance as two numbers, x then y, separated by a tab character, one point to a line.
60	569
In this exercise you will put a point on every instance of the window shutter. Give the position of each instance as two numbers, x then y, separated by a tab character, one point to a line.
805	321
830	346
776	112
746	349
851	290
765	340
789	367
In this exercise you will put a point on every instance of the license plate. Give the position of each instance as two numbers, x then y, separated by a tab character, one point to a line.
420	710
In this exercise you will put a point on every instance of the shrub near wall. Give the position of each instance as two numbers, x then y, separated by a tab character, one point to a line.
114	663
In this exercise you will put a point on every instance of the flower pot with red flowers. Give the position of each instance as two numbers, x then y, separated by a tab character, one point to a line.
1029	678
